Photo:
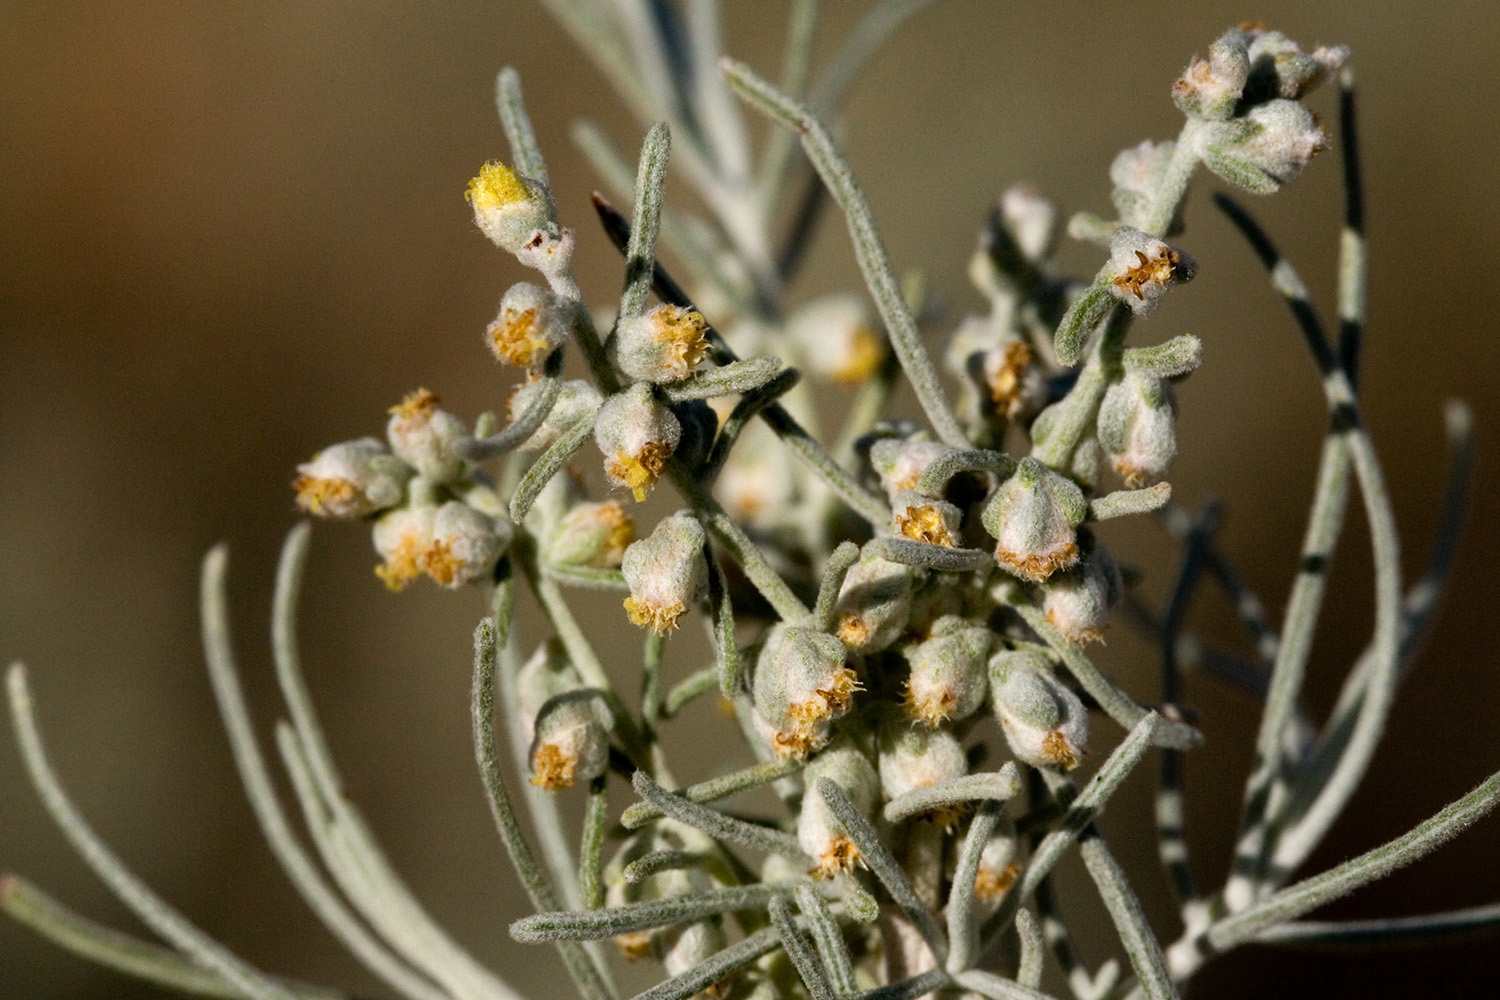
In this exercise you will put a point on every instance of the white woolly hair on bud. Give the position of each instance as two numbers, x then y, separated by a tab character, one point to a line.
947	680
1137	427
663	345
912	757
532	322
1077	601
874	604
570	741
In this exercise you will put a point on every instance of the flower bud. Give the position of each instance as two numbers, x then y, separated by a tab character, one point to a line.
665	571
664	345
351	479
1137	174
465	545
531	323
510	209
1032	516
426	437
1266	148
594	535
402	537
571	741
874	604
947	679
1142	269
688	946
1045	723
838	339
900	462
913	757
1031	220
1280	68
576	400
821	834
1211	88
1077	601
997	867
1138	428
921	519
637	435
545	675
802	682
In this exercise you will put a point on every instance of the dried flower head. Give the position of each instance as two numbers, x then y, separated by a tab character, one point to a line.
1142	268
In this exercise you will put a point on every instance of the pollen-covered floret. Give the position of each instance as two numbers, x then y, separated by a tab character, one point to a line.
1033	517
664	345
571	740
1044	722
802	682
665	572
922	519
531	323
637	435
947	679
508	208
429	439
351	479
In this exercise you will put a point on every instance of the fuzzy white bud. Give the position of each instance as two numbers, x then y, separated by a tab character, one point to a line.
351	479
1033	517
820	833
802	682
531	323
427	438
1044	722
665	572
663	345
637	435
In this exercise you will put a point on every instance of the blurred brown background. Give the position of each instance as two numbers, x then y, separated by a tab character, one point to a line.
235	233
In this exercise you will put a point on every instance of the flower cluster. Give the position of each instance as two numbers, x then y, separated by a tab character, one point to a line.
900	620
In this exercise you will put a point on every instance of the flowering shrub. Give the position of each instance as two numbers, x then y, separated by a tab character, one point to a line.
900	613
